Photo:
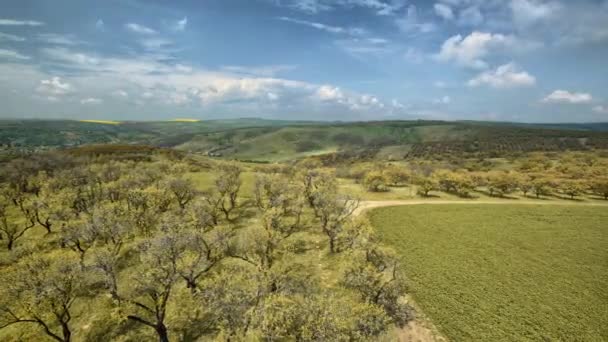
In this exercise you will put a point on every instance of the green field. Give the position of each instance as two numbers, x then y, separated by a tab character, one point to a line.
505	273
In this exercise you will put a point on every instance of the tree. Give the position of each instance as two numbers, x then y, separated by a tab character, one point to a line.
375	181
182	190
151	283
41	291
572	188
425	185
599	187
542	187
333	212
228	186
12	231
501	183
375	277
397	176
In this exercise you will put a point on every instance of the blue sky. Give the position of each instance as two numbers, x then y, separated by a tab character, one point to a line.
507	60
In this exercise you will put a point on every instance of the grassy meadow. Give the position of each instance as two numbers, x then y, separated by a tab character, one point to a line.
505	273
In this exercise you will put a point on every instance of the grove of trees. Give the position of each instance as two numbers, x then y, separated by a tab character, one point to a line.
130	247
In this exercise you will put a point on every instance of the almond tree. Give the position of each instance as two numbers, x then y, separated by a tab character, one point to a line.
41	291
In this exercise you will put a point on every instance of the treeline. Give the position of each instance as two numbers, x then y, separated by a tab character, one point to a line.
572	176
131	249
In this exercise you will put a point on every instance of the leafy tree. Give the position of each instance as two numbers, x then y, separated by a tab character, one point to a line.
228	185
599	187
334	211
501	183
42	291
375	181
396	176
425	185
182	190
572	188
10	230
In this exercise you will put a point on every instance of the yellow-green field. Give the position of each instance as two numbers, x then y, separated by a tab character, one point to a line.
505	272
105	122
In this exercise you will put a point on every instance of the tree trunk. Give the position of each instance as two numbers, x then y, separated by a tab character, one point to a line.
161	330
67	334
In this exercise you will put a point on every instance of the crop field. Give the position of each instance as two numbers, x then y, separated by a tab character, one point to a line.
505	272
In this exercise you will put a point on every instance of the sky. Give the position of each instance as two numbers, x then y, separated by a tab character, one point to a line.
498	60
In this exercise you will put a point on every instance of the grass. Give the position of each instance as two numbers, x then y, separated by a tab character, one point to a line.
105	122
505	273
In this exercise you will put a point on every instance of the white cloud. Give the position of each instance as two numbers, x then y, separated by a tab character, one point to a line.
505	76
151	83
329	93
180	25
59	39
470	50
12	54
136	28
443	100
315	6
412	23
355	31
100	25
444	11
265	70
14	22
54	87
600	109
529	12
120	93
564	96
414	55
91	101
440	84
272	96
470	16
11	37
152	44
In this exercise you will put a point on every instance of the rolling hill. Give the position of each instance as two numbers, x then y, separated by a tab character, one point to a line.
276	140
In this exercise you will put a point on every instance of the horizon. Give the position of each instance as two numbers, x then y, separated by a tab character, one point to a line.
516	61
198	121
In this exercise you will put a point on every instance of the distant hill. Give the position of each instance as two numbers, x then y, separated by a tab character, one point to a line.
276	140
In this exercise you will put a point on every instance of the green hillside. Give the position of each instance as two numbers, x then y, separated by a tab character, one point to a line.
275	140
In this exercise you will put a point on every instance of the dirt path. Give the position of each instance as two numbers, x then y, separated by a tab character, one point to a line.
423	330
366	205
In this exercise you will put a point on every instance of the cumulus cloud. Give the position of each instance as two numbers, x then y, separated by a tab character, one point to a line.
137	28
15	22
471	50
90	101
54	87
10	37
159	82
12	55
444	11
505	76
564	96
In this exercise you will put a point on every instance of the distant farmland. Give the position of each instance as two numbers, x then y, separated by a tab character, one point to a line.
507	272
